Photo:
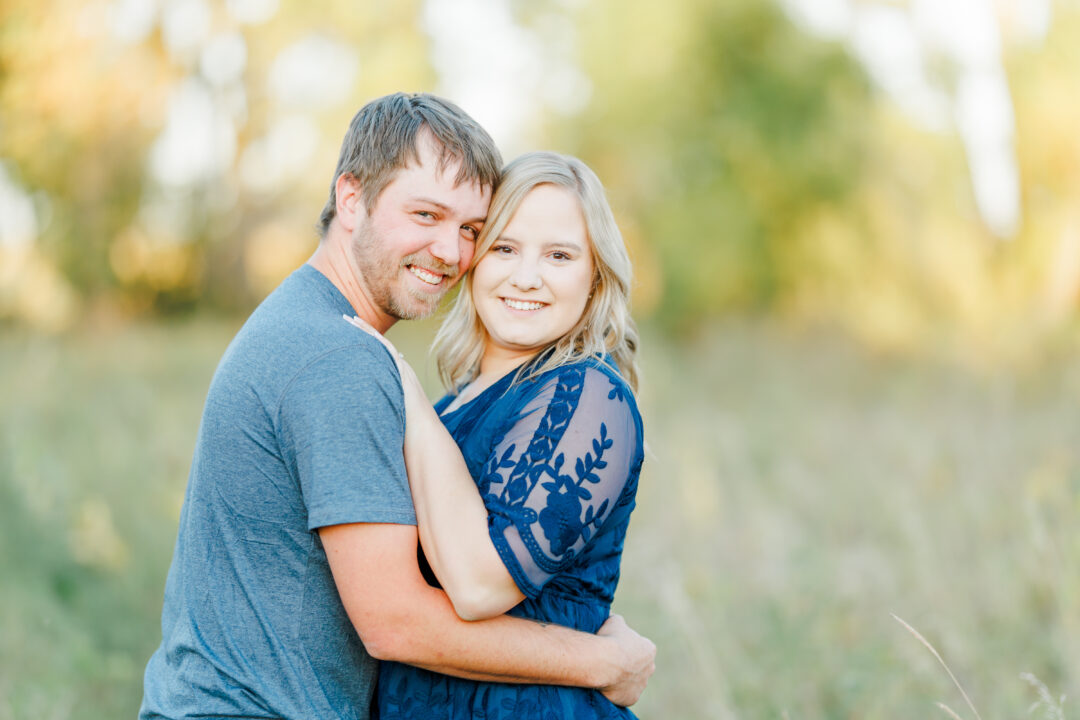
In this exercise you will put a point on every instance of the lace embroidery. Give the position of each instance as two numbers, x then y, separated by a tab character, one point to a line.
569	513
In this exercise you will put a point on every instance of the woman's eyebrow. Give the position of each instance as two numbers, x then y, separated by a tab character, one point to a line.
568	244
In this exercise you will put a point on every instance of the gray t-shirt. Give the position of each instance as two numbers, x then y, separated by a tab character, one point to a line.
303	428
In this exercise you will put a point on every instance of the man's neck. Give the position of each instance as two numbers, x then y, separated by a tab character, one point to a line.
332	259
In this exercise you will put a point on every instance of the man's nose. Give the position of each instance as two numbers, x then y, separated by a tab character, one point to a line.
446	247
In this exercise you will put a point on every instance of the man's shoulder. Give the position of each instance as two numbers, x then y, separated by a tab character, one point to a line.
298	328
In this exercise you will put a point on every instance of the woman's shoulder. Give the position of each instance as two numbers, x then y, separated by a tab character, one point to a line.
595	377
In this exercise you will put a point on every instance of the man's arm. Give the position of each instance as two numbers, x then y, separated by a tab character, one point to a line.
398	616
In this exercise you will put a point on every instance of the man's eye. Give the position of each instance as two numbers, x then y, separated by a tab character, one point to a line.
472	232
425	214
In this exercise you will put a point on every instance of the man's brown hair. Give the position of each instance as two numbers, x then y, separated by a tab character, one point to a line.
382	139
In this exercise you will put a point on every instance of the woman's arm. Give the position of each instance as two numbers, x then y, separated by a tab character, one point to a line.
450	515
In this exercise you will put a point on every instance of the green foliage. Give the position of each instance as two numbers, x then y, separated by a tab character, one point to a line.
751	165
72	133
719	129
80	111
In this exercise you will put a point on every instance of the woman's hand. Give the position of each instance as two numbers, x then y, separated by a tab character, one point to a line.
409	381
356	321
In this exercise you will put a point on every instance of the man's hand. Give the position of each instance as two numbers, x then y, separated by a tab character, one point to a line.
637	661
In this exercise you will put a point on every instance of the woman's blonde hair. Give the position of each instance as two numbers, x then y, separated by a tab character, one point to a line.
604	327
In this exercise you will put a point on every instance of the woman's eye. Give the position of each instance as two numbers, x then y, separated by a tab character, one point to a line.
504	249
559	255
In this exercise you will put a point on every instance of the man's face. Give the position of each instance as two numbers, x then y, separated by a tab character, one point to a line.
419	237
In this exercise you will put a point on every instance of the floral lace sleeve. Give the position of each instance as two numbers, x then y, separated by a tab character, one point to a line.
560	469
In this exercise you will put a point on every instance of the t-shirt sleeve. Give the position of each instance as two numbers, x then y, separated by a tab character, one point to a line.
342	421
554	478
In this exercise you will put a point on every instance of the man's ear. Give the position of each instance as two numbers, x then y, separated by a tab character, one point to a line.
350	200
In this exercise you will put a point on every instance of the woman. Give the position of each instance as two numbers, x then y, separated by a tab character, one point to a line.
540	347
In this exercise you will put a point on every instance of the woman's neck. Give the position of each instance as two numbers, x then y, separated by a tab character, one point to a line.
495	363
498	361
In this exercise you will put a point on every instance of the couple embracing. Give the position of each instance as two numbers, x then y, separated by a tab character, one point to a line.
334	519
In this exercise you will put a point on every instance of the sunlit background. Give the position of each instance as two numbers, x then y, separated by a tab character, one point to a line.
856	234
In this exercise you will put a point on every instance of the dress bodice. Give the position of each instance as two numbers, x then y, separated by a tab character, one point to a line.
556	459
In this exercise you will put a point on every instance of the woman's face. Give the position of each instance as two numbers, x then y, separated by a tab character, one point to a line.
531	286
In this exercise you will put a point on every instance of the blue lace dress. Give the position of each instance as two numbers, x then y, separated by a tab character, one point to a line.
556	459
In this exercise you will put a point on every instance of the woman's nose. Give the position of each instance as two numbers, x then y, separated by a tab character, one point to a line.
526	276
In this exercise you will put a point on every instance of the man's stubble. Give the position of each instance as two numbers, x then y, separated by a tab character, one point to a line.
382	274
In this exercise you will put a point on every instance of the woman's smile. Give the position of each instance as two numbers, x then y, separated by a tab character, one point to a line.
533	283
523	304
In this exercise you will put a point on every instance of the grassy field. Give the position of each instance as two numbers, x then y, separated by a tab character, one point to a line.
798	492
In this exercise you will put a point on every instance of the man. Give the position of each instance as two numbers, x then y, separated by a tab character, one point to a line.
295	563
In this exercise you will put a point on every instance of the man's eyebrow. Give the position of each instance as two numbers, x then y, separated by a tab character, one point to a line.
446	208
431	201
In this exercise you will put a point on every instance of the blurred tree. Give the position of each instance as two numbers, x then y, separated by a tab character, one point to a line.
70	122
1048	113
721	128
755	169
179	152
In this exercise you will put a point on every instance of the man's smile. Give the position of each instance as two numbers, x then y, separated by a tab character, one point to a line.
431	278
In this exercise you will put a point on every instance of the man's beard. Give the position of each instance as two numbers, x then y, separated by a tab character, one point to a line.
381	275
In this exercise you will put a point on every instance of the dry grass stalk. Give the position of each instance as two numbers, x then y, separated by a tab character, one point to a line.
956	682
1053	708
948	711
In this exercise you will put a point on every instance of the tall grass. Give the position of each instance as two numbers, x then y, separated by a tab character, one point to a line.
797	492
802	490
96	433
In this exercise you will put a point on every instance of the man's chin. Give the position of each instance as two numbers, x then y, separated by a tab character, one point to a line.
414	308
